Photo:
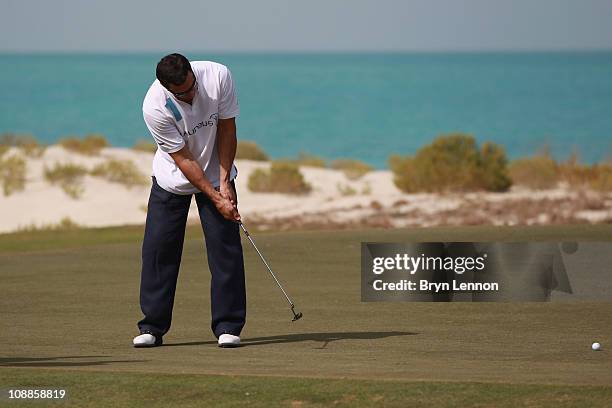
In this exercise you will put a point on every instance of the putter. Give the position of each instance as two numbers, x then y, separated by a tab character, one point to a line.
296	316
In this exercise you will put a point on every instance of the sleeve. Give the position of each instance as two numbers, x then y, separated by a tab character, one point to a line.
164	132
228	101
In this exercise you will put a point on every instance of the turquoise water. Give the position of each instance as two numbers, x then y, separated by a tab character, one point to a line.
363	106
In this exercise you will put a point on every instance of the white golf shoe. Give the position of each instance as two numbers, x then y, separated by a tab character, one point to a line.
147	340
229	340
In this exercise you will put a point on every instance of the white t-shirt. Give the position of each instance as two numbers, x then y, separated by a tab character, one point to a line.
174	124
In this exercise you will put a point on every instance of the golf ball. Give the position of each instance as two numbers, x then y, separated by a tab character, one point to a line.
596	346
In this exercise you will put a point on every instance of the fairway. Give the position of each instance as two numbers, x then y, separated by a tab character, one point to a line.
70	306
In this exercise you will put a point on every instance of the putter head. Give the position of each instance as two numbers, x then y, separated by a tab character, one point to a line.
296	316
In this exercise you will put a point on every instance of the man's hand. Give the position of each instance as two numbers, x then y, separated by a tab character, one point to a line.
227	208
227	191
226	146
193	172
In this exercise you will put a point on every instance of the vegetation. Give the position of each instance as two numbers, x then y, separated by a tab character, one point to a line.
493	168
26	143
307	159
90	145
282	177
537	172
541	171
12	174
65	224
353	169
145	146
68	176
50	280
248	150
452	163
87	388
346	190
120	171
603	177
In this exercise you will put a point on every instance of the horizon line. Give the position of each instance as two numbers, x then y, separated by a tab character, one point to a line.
313	52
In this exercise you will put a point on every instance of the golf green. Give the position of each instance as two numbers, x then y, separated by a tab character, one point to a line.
70	306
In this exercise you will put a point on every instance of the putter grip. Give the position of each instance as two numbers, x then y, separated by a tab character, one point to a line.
245	230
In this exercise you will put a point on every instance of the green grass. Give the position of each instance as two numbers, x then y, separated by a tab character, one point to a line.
93	389
70	306
34	241
48	240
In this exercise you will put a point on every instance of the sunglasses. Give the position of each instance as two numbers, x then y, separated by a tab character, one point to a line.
181	94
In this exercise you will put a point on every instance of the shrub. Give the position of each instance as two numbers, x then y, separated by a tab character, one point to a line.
346	190
260	181
31	147
145	146
12	174
402	169
249	150
282	177
62	172
90	145
537	172
452	163
576	174
27	143
307	159
8	139
353	169
74	190
68	176
494	167
120	171
65	224
542	171
603	177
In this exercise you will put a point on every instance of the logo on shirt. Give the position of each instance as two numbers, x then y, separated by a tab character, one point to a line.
211	121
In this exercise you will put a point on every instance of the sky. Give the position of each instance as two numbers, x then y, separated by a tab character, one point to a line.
298	26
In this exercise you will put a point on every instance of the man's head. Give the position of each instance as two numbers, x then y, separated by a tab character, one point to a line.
175	74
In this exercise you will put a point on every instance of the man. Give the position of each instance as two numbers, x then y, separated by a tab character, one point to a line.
190	111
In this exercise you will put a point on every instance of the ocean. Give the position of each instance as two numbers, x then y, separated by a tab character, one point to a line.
362	106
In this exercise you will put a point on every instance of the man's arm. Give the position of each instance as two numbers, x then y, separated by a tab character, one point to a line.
193	172
226	146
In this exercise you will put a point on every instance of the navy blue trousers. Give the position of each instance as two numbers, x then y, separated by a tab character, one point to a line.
162	248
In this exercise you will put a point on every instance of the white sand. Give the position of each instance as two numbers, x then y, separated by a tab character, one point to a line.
375	200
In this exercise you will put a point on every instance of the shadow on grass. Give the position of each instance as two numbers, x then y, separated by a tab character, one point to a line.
323	338
57	361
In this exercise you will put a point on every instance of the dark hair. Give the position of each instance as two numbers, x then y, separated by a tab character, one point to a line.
172	69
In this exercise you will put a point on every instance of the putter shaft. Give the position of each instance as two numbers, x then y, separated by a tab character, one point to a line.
296	316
